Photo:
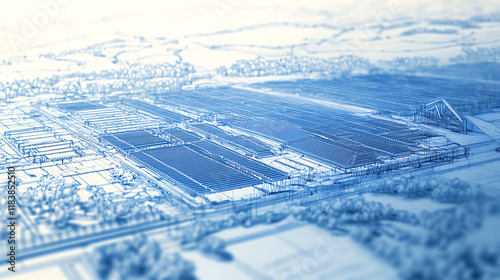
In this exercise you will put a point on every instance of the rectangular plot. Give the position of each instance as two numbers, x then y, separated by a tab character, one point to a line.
327	151
148	108
249	163
140	139
210	173
134	139
389	146
275	129
386	125
211	129
80	106
252	144
182	134
173	174
249	143
117	143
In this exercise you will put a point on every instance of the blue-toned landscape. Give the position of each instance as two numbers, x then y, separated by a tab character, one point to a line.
250	139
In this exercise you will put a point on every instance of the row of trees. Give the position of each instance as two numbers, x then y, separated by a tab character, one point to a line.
447	225
296	65
138	70
351	211
201	229
430	246
170	77
29	87
470	55
439	189
135	77
442	250
405	64
140	258
58	201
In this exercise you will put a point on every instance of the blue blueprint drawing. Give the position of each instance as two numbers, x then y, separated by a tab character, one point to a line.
238	139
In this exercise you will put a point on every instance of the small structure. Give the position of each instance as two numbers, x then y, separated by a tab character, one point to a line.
440	113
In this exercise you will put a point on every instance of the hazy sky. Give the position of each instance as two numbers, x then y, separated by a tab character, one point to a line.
27	23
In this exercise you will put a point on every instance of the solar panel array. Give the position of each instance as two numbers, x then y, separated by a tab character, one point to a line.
278	130
117	143
113	120
182	135
395	92
218	150
148	108
210	129
194	166
384	125
367	138
330	152
364	136
80	106
250	143
408	135
201	170
134	140
329	131
193	187
255	112
253	144
386	145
